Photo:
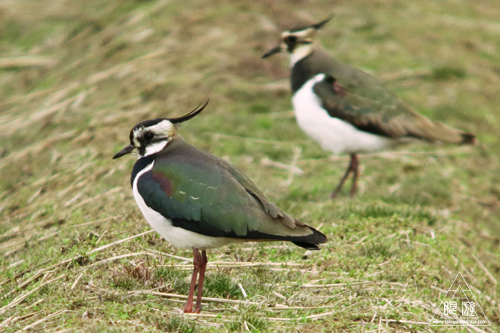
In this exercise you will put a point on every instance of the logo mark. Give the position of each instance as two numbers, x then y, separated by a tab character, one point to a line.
459	307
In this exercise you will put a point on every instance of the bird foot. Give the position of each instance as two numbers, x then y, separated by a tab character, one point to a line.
189	308
334	194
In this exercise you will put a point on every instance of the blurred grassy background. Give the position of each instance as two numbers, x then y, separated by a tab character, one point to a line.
76	76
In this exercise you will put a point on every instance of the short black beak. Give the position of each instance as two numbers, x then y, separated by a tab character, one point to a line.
124	151
269	53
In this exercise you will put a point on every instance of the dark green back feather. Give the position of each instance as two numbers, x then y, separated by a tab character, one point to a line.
208	195
367	104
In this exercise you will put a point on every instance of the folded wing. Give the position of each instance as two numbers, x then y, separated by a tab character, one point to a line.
207	195
369	106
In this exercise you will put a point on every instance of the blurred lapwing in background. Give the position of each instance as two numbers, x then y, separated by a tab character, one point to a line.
347	110
198	201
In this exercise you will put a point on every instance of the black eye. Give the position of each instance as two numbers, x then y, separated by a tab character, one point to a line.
290	40
148	136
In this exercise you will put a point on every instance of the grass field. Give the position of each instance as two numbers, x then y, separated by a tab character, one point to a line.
76	253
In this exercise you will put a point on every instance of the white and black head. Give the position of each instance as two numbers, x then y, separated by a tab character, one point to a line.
299	41
152	136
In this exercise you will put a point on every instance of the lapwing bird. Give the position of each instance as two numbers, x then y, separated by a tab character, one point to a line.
347	110
198	201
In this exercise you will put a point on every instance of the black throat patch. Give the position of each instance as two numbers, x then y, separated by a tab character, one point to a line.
140	165
301	73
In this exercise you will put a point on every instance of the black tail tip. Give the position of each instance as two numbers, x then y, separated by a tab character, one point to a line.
468	139
308	246
312	241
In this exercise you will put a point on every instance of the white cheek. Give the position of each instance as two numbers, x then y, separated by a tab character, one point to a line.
155	148
300	53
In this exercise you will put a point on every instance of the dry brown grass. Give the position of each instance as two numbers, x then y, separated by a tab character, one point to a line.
77	255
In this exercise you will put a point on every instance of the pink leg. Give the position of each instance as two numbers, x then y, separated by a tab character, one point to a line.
197	260
350	169
355	171
201	279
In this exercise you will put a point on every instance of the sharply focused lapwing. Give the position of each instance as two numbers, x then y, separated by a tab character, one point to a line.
198	201
347	110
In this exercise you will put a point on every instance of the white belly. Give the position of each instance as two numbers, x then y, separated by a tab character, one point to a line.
331	133
176	236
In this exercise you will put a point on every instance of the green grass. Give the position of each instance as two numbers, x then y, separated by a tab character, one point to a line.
423	214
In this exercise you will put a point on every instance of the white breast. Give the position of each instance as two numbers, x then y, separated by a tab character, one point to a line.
177	236
331	133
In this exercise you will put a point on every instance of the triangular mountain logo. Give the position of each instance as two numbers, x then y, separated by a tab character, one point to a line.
459	307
